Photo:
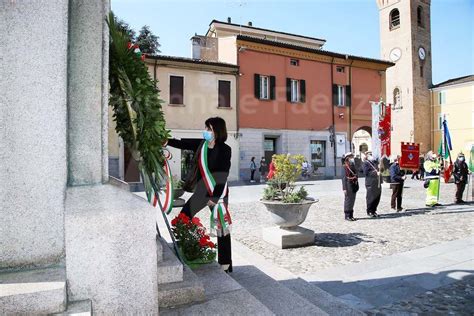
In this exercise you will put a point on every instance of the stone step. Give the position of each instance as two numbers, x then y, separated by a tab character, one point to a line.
282	291
170	269
78	308
187	291
35	291
278	298
224	296
320	298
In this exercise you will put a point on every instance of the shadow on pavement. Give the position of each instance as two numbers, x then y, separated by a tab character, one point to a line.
339	240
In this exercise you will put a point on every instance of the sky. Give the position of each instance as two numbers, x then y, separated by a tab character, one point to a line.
348	26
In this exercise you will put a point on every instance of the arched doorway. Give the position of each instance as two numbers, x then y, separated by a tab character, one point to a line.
362	141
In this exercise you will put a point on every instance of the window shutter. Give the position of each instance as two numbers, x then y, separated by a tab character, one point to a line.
303	91
257	85
272	87
348	96
334	94
176	90
224	93
288	89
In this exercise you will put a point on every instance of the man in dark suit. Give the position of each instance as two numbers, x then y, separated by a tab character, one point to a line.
397	179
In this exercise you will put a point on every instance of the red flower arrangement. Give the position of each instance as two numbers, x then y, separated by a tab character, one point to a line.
195	245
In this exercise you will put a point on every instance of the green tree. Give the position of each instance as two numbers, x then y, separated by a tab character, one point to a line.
148	42
125	28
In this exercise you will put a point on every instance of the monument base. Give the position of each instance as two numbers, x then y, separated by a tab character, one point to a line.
288	237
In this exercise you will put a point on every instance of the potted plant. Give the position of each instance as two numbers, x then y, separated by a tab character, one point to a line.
194	244
287	205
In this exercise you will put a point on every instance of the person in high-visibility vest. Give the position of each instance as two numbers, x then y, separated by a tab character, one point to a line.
432	171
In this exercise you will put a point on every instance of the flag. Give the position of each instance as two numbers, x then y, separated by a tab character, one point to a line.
445	147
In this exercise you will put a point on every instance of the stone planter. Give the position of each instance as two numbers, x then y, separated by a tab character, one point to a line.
287	217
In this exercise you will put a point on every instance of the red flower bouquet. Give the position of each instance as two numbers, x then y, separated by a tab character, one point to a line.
195	245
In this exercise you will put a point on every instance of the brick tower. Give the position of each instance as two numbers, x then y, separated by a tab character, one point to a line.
405	39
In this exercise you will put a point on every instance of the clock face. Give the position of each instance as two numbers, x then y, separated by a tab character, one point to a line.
395	54
422	53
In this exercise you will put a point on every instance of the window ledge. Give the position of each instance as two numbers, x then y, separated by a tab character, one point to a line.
394	27
176	105
225	107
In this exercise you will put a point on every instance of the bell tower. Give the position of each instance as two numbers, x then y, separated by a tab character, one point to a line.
405	39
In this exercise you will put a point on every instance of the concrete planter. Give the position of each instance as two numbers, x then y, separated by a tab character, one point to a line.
286	215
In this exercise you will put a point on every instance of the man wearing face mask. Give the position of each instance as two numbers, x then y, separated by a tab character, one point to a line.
350	186
432	171
372	184
397	179
460	173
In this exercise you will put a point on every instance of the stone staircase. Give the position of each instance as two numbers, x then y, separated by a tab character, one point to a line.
38	291
253	289
177	284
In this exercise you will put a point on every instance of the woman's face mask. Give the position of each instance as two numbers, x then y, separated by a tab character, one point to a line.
461	158
208	135
370	157
351	160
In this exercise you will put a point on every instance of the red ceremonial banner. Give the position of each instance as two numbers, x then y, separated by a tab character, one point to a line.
410	156
385	127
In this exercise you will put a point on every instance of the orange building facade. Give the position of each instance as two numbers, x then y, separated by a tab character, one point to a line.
303	101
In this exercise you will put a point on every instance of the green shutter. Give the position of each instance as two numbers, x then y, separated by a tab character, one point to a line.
302	91
272	87
288	89
257	85
348	96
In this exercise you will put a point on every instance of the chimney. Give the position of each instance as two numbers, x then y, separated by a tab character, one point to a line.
250	23
229	20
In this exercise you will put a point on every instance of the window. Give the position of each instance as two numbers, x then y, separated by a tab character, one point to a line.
442	97
340	69
440	121
341	95
264	87
296	90
224	94
318	153
397	99
419	16
295	93
176	90
294	62
394	19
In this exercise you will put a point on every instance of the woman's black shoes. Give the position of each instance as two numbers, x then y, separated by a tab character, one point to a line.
350	219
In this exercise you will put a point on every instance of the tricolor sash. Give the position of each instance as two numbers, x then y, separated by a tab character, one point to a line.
220	215
169	190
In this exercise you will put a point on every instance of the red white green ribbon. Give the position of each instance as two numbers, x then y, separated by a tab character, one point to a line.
169	188
220	215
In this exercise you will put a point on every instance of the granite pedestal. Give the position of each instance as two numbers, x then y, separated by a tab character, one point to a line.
290	237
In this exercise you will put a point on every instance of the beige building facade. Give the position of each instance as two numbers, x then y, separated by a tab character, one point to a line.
192	91
454	101
405	38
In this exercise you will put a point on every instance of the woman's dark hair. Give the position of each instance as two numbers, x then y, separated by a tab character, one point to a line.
219	128
253	158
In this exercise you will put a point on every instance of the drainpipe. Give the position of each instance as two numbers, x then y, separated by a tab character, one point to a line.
333	119
154	71
350	107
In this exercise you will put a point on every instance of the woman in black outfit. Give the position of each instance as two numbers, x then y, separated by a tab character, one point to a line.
218	159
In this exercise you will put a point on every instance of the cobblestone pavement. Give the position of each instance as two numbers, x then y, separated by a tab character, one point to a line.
453	299
339	242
